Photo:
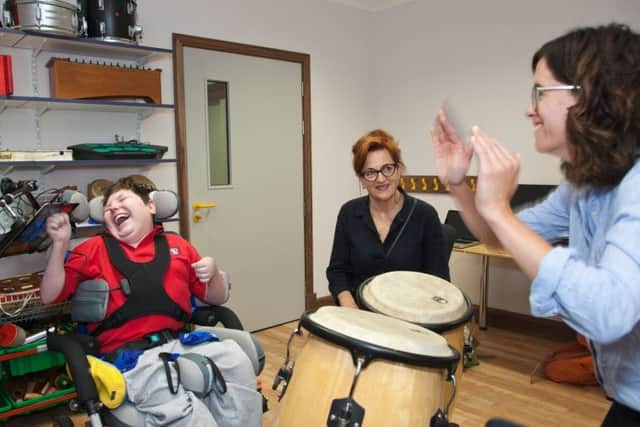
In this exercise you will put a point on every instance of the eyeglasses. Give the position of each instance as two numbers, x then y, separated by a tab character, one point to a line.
386	170
537	91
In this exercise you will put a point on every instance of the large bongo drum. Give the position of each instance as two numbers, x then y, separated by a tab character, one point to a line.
362	367
420	298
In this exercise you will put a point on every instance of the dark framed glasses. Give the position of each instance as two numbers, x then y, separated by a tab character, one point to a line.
386	170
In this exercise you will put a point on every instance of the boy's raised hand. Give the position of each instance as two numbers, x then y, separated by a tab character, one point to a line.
59	228
205	269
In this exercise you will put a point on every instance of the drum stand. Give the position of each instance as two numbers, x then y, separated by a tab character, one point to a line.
441	419
285	372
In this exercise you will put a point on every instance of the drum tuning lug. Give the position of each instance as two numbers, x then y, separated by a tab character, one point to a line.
439	419
284	374
345	413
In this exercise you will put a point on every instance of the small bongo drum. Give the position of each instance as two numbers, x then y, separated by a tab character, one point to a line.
358	366
420	298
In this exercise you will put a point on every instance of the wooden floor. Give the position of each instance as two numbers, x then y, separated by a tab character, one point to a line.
500	386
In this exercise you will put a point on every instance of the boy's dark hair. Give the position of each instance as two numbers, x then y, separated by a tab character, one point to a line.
139	185
603	127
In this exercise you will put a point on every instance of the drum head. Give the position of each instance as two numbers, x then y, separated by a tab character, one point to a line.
415	297
378	336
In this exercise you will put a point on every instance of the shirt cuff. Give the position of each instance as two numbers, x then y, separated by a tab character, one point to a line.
543	288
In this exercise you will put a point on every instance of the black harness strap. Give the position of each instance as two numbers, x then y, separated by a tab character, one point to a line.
146	285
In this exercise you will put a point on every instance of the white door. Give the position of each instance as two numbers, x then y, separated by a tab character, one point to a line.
256	230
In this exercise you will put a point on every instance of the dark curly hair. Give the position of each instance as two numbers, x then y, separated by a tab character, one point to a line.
603	127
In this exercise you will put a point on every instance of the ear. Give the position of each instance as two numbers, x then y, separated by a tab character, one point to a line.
151	205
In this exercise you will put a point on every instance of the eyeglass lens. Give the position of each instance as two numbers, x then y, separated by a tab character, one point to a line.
387	170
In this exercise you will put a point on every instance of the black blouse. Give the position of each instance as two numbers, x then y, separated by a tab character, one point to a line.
358	253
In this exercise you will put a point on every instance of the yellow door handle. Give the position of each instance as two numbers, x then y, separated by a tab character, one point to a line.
196	210
197	206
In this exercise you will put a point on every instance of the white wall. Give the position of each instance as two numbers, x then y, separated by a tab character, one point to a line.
337	37
478	54
390	69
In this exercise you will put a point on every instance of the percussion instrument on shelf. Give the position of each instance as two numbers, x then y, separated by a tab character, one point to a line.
419	298
76	79
97	187
358	366
113	20
48	16
115	151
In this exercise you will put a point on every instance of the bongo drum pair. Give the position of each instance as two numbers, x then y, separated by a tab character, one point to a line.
364	368
422	299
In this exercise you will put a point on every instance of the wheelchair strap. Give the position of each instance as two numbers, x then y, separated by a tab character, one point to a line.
143	285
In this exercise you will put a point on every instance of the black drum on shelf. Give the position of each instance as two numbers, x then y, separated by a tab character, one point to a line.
113	20
48	16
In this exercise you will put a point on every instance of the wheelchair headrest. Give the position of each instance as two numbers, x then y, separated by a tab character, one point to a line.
166	202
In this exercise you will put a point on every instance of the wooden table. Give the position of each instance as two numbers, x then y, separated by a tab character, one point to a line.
486	252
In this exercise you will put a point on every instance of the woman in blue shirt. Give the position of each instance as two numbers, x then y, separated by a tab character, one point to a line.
585	109
387	229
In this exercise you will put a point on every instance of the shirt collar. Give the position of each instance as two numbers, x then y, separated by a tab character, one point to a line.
362	207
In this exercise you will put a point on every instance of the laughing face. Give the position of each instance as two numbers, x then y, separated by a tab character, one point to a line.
127	217
550	117
382	188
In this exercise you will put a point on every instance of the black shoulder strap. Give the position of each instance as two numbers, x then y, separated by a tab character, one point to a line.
393	245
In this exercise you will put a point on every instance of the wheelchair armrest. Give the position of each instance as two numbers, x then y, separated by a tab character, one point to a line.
76	358
211	315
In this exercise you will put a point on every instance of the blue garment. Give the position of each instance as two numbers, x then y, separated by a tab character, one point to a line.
594	284
197	337
127	360
358	254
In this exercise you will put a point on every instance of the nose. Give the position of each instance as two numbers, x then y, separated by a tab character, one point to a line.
529	112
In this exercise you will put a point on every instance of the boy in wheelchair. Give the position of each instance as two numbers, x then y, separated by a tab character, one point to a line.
136	284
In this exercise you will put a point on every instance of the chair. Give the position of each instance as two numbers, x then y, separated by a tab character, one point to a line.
450	234
75	346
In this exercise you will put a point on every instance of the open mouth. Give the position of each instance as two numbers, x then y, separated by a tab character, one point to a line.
120	218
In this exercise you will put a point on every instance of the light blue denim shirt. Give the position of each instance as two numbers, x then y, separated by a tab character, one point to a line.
594	284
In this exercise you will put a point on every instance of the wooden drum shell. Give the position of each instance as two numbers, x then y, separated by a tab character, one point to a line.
391	393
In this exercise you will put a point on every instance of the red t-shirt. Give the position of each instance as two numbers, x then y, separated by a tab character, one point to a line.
90	261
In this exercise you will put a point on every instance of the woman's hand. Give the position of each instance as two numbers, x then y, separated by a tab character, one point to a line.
59	228
452	157
345	299
498	171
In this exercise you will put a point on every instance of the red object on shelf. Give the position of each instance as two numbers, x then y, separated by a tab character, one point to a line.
6	75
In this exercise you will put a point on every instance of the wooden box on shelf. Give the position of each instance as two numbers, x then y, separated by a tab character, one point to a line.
79	80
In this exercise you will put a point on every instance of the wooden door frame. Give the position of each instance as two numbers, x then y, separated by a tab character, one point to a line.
180	41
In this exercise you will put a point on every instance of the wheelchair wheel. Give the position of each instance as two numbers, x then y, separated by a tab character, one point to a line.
74	405
62	422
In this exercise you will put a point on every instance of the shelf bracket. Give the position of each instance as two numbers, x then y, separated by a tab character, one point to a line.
143	59
139	118
47	169
36	50
7	170
42	110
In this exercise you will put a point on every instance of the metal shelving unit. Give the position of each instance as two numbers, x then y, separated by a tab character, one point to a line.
42	42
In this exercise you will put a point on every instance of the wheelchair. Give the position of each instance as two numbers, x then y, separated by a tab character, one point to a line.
77	346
